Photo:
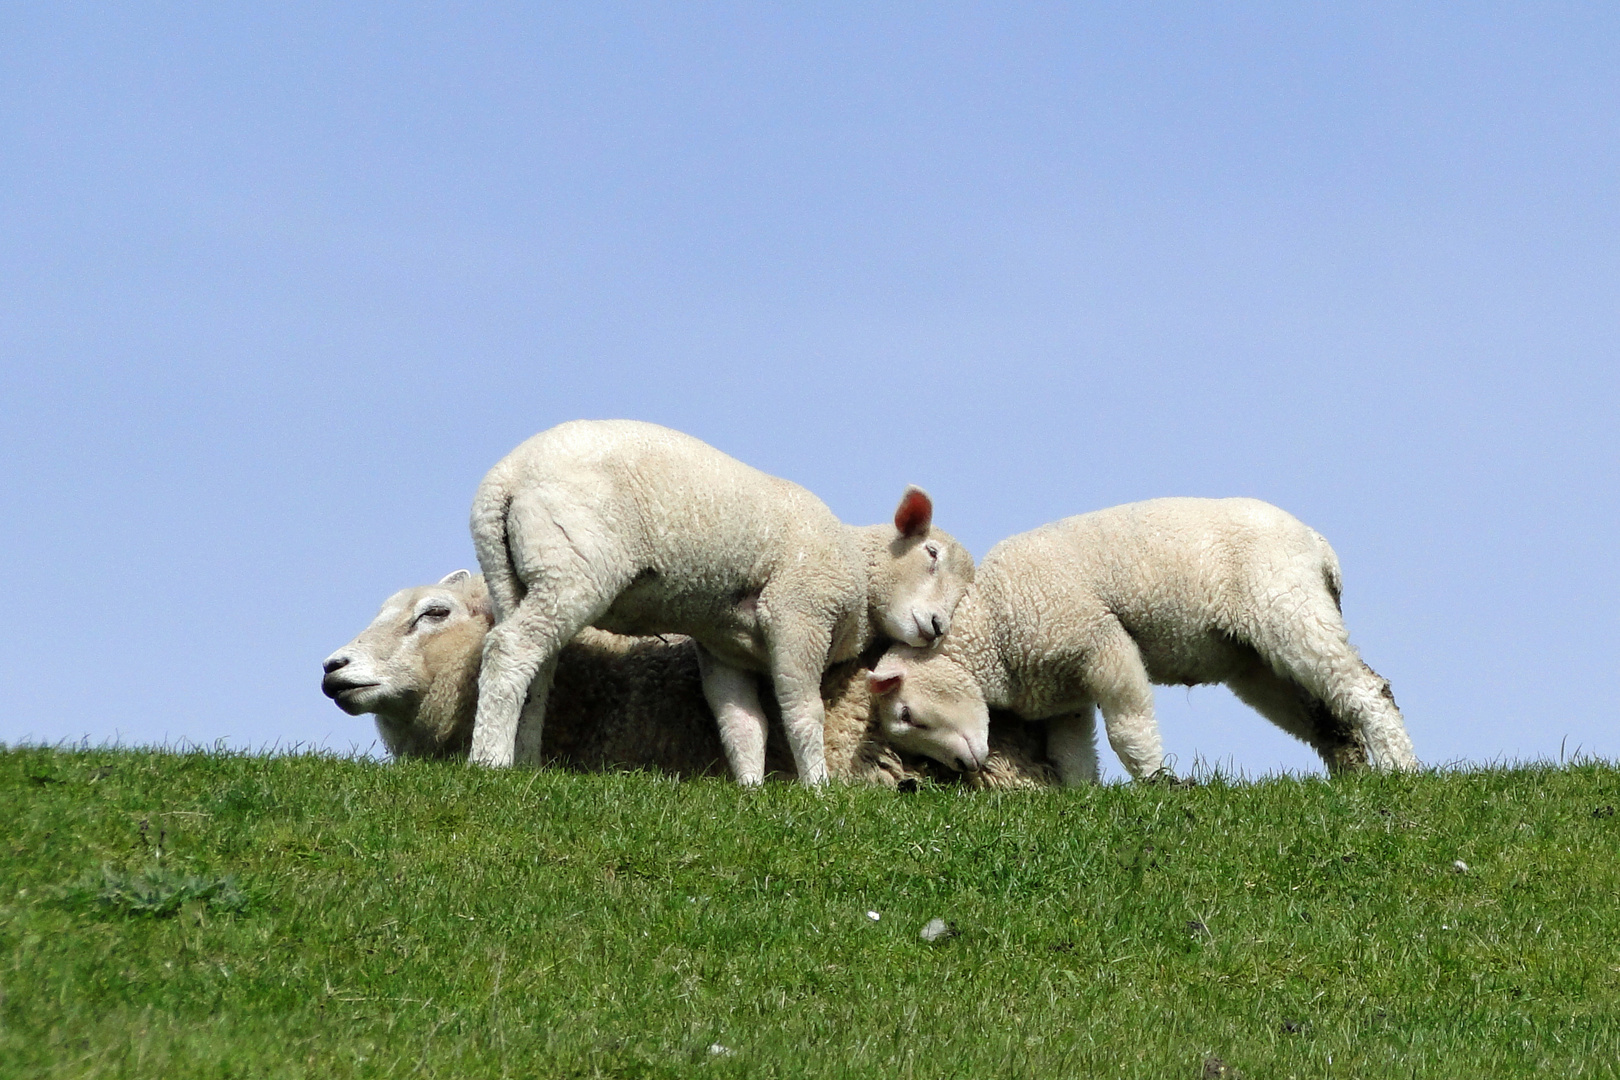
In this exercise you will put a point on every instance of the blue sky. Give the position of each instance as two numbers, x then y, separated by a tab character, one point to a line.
278	284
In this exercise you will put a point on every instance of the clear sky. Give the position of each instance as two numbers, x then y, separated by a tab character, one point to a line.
279	282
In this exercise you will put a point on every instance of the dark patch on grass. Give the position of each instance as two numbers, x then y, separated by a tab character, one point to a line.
1216	1069
242	801
156	891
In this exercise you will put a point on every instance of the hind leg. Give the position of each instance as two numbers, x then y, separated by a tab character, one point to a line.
1312	649
733	694
520	652
1071	743
1118	680
1385	730
531	722
1291	708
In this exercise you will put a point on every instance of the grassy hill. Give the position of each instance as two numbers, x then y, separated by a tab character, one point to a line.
219	915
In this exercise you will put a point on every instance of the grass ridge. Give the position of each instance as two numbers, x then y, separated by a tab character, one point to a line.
215	913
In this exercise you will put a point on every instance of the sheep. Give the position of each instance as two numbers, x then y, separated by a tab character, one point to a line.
637	529
616	703
1091	610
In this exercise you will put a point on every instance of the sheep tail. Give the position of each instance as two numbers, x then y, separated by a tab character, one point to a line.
1331	577
489	529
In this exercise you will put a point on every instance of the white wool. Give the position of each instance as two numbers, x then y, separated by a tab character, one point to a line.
637	529
617	702
1088	612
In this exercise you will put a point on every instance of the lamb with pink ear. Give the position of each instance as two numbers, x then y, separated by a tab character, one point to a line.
1088	612
637	529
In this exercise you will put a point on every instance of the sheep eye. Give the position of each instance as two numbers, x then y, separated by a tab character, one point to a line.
933	552
433	613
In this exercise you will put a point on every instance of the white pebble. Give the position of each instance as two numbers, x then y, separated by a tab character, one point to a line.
936	929
874	916
719	1051
1460	866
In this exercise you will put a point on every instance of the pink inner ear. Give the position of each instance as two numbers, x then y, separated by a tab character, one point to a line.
915	514
883	684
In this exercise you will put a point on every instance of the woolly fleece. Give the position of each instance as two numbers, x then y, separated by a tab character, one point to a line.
637	529
1089	611
617	702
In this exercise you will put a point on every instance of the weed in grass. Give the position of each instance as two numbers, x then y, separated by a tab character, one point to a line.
156	890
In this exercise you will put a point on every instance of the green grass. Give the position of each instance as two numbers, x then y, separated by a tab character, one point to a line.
219	915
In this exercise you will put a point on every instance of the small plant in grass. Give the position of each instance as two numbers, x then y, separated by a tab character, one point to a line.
156	890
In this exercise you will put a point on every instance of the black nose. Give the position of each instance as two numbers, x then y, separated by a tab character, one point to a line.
964	764
335	663
939	626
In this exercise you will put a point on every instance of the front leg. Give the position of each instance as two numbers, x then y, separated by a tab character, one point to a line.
1117	678
1071	743
797	660
733	694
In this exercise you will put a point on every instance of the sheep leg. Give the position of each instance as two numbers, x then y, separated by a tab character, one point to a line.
733	694
531	722
1313	650
1295	710
1118	679
1387	735
797	660
521	651
1071	743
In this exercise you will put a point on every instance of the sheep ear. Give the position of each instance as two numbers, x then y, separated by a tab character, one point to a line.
885	678
455	577
879	685
915	513
477	600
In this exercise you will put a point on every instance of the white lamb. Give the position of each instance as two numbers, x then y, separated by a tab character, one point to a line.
1089	611
637	529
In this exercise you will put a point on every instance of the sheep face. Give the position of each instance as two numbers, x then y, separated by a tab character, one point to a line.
927	703
421	636
916	591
